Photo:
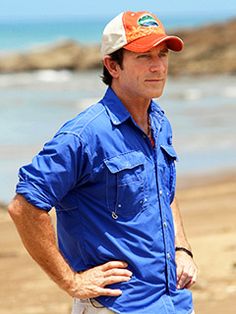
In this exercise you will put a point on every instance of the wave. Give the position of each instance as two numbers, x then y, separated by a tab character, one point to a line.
30	78
86	102
53	76
230	92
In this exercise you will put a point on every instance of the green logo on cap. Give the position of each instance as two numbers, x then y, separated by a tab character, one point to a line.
147	21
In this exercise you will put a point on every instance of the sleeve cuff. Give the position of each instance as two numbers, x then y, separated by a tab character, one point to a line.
33	196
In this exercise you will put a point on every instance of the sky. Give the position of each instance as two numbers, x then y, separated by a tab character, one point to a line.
54	9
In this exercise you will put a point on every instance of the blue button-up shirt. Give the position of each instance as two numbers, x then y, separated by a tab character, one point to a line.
112	192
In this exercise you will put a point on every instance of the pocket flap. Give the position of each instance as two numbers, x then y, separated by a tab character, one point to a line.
128	160
170	151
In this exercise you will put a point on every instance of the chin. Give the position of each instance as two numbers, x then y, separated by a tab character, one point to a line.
156	94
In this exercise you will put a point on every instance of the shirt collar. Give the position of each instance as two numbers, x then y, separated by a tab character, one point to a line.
156	109
115	108
118	112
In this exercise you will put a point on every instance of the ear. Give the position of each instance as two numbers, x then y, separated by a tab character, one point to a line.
112	66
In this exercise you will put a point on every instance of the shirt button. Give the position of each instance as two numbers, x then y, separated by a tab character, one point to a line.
169	140
114	215
119	205
160	192
168	255
165	224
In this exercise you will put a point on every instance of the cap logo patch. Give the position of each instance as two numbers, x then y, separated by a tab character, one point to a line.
147	21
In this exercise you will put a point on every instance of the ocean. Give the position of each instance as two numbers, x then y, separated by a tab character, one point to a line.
34	105
23	35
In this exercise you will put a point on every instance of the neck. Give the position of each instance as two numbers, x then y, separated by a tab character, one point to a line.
138	108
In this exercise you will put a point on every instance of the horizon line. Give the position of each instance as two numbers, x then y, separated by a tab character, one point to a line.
61	17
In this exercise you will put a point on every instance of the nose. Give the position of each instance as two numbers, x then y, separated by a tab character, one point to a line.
158	64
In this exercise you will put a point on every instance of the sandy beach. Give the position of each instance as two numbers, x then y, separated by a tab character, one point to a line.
209	214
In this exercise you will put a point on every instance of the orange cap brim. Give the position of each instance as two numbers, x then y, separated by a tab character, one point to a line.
146	43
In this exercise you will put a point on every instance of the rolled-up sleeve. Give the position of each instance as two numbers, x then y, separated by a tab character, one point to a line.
53	172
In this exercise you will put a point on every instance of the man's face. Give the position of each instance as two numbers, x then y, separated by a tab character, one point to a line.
143	75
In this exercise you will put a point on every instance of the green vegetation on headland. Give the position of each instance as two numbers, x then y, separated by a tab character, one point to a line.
208	50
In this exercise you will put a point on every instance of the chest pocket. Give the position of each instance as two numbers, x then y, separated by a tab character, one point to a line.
125	184
166	166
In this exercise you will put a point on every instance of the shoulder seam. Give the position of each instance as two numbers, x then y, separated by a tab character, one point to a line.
82	129
93	118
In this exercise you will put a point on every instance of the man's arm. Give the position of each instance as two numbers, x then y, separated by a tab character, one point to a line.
186	268
38	236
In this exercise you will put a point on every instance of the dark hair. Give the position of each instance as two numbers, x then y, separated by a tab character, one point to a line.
115	56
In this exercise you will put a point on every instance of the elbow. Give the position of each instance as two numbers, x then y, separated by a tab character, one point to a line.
14	209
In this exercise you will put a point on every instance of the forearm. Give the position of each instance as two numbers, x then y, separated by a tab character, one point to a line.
180	236
37	233
185	266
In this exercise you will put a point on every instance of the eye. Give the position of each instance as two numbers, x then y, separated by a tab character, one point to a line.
163	53
144	56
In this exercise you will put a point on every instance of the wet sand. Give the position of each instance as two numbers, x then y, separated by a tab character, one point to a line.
209	214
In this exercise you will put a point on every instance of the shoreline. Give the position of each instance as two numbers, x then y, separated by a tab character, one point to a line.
188	181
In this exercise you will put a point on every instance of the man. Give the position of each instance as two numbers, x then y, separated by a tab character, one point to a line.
110	174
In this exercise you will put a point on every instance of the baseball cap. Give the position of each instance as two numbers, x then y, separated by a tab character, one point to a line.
137	32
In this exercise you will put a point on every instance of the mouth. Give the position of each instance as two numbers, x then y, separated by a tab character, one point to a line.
154	80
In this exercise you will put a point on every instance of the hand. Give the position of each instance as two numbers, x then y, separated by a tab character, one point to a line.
186	270
92	282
